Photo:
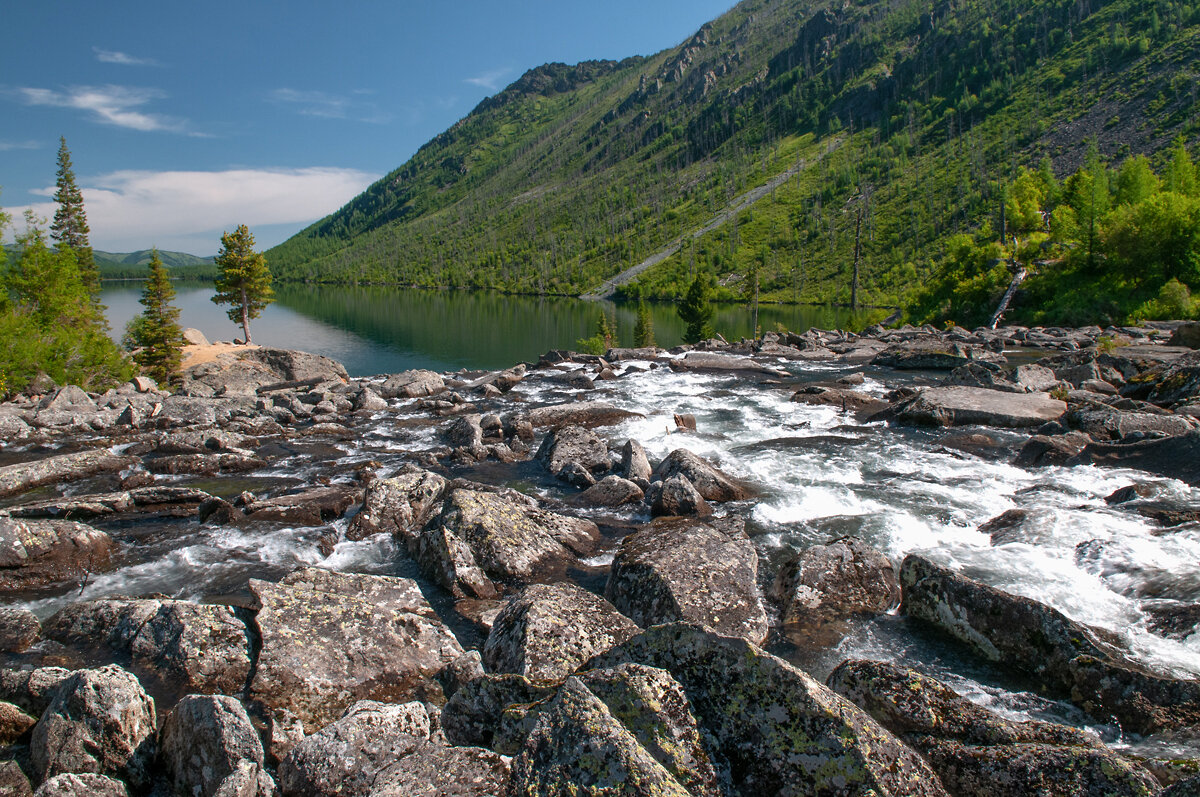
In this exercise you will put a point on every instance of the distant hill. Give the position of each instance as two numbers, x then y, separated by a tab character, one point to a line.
132	265
574	174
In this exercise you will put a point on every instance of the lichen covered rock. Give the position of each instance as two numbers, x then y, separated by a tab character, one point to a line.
205	740
547	631
678	569
332	639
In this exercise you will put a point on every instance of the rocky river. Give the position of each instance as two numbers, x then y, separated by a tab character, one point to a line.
901	562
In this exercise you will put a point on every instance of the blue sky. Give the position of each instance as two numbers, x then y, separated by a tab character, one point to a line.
186	119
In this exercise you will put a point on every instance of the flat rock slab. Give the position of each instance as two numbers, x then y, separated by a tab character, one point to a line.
588	414
681	569
709	362
1173	457
332	639
25	476
967	406
176	501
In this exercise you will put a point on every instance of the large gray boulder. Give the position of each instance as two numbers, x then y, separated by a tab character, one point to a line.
85	785
243	372
412	384
482	537
573	444
1066	658
831	582
976	751
199	648
332	639
1174	457
966	406
547	631
677	497
400	505
780	731
933	355
635	466
31	690
708	480
37	553
19	628
713	362
588	414
99	721
205	741
435	770
346	757
578	746
476	713
679	569
611	491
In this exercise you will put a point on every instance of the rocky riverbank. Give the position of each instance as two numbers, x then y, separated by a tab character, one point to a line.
497	583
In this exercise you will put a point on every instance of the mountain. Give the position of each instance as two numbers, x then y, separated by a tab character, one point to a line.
775	141
135	264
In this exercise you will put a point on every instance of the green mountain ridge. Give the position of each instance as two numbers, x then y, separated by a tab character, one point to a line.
903	121
135	265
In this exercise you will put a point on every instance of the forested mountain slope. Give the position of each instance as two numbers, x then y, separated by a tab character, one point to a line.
904	121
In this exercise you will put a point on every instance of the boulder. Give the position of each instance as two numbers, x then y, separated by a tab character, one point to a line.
332	639
710	482
314	506
1101	422
680	569
1034	378
14	723
434	770
963	406
565	445
1172	383
204	742
473	715
484	536
1174	457
31	690
82	785
161	500
400	506
547	631
932	355
712	362
988	375
70	398
36	553
412	384
831	582
780	731
60	469
676	496
861	404
977	752
1186	334
345	757
99	721
634	464
1058	449
243	372
14	782
1066	658
194	337
588	414
611	491
199	648
578	746
19	629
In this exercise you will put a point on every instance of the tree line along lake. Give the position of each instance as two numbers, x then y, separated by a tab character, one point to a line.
378	329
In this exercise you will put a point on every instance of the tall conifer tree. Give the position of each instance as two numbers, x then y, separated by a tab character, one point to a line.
158	332
70	227
243	279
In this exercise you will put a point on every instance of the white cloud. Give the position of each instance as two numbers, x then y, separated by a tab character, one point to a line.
188	211
114	105
324	105
124	59
5	146
489	80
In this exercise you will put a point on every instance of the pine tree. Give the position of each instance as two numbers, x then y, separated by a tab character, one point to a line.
1181	174
643	329
696	309
243	279
70	227
157	330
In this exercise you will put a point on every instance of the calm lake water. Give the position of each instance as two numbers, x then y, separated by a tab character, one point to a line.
378	330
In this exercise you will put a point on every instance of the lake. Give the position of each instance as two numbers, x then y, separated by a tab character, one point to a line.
374	330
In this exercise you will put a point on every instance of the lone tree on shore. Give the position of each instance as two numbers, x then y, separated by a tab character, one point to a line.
70	228
157	329
696	309
243	279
